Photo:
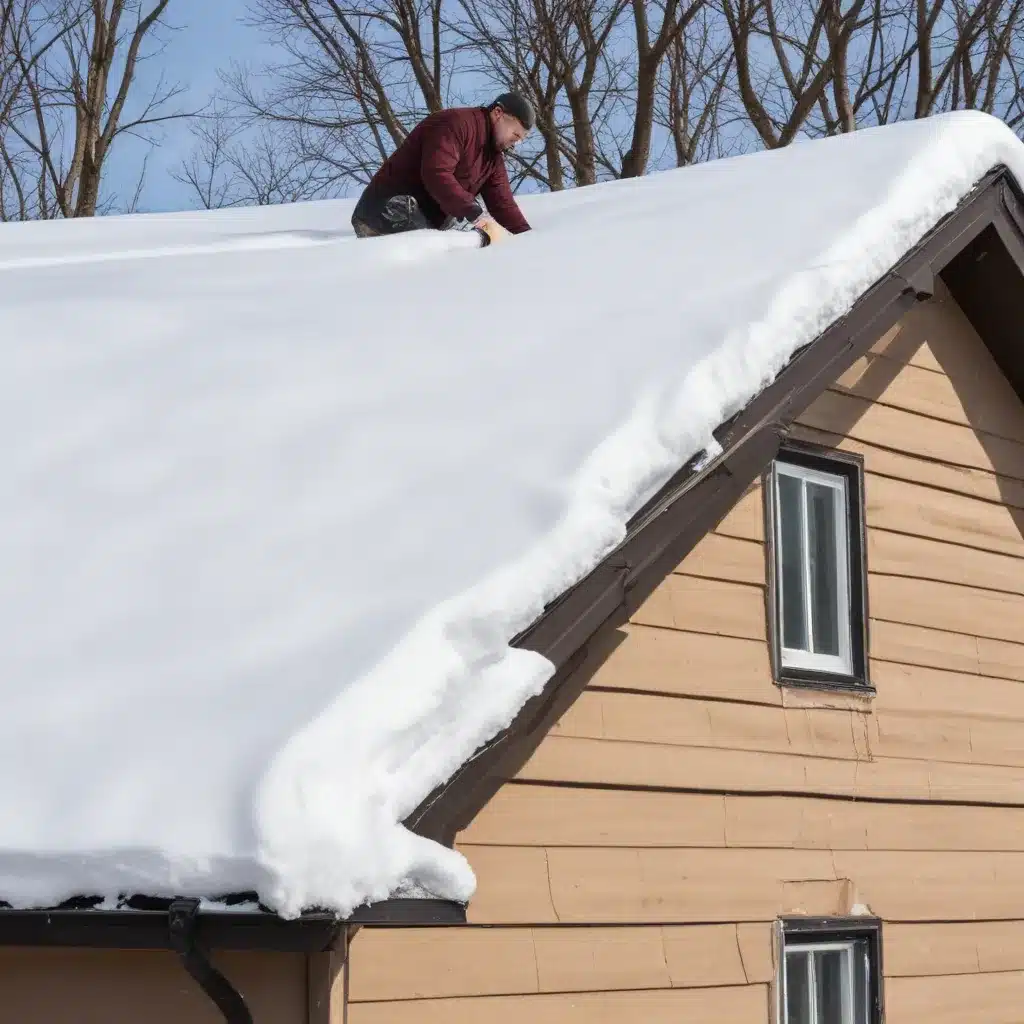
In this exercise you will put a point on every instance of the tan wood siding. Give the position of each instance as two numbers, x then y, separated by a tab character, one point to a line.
686	800
569	816
447	963
967	947
689	886
956	999
98	986
658	1006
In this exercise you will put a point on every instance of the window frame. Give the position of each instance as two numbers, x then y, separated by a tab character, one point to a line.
814	459
804	932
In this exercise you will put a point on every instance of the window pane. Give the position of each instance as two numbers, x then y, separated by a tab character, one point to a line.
832	981
861	983
798	1002
791	558
822	509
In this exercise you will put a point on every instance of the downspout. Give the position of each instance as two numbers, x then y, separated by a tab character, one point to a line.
181	923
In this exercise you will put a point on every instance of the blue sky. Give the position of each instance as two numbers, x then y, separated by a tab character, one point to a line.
203	36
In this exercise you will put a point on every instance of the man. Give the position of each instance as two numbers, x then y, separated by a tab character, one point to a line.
433	178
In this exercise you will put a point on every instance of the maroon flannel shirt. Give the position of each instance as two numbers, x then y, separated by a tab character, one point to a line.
446	161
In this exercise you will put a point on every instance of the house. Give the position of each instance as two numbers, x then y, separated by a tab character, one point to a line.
751	752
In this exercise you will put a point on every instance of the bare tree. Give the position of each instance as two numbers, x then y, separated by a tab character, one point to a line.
620	87
77	62
561	53
809	41
653	38
694	79
965	54
809	66
232	166
353	80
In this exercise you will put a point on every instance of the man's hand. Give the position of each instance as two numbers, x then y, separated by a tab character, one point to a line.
490	227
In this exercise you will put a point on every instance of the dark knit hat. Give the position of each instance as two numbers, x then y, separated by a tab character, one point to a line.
518	106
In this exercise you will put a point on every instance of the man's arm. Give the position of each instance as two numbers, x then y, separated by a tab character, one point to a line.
442	146
501	203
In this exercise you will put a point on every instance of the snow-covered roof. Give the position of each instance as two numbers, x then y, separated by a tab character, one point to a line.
275	500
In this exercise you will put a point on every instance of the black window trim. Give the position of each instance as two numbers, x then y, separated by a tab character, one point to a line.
851	465
835	929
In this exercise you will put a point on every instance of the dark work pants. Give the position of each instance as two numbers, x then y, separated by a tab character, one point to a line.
373	216
394	215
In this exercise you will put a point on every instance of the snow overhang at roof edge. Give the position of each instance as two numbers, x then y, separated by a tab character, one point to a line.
576	631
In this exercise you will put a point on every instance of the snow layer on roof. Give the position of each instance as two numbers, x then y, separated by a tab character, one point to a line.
275	500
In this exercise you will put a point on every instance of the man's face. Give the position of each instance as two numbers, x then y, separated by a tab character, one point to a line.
509	131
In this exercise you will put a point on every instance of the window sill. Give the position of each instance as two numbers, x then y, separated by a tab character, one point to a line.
830	684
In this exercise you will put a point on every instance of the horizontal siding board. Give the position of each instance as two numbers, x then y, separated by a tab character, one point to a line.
912	720
721	724
437	963
911	508
726	558
890	553
874	423
756	950
936	885
986	402
736	1005
962	947
705	955
933	690
1000	658
587	959
943	606
682	662
904	644
676	886
524	895
571	759
79	985
690	886
936	336
955	999
907	345
911	388
897	554
572	816
946	716
595	959
705	606
430	963
881	461
746	518
947	738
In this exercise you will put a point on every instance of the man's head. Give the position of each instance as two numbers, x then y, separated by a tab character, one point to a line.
511	119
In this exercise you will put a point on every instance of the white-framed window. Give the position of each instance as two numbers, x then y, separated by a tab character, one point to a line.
826	983
830	973
818	571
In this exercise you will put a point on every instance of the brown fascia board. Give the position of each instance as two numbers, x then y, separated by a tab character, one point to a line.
978	249
145	924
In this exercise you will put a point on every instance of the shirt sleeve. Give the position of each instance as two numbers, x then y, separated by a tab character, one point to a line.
501	203
442	146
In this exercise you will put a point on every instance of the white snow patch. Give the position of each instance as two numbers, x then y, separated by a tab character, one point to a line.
275	499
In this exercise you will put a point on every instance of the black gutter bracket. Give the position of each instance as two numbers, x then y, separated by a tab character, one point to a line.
181	921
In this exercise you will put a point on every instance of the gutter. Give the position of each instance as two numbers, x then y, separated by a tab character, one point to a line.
180	925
